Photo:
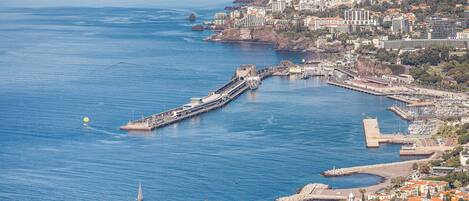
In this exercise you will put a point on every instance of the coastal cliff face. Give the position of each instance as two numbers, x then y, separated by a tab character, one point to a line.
300	44
369	67
265	34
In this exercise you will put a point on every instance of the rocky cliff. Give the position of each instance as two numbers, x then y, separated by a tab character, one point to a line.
265	34
370	67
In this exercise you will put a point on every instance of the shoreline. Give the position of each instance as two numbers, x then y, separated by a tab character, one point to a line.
264	43
386	171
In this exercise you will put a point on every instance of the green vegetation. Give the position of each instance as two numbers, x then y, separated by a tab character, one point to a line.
365	49
435	66
333	12
451	158
443	8
387	56
296	34
455	179
397	182
424	168
432	56
461	132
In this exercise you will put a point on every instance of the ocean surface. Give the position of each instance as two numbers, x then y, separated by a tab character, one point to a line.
58	65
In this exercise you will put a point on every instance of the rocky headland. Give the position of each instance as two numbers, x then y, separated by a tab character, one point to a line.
265	34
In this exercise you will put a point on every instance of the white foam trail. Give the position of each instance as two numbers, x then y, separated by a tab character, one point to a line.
104	131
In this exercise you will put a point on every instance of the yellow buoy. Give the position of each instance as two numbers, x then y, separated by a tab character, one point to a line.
86	120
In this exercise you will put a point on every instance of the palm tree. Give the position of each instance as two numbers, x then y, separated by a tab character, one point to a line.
363	191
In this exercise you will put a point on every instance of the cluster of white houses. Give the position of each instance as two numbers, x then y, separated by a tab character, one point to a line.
437	30
353	18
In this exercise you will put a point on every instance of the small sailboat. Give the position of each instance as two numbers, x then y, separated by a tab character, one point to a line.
140	192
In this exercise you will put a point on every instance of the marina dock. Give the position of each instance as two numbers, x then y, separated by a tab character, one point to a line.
246	77
372	133
373	136
401	113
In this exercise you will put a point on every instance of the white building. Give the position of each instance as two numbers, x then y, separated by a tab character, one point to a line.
235	14
400	25
463	157
333	24
255	10
220	18
465	120
358	17
463	34
312	5
250	21
278	6
255	16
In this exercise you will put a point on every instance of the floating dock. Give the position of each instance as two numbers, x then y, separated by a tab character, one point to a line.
245	78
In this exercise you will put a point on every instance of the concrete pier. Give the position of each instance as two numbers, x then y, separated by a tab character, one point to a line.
401	99
245	78
372	133
373	136
401	113
375	169
355	88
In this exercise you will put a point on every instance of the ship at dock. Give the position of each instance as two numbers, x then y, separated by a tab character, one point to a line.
246	77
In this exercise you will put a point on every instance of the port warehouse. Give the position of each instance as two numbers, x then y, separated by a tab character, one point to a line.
462	44
246	77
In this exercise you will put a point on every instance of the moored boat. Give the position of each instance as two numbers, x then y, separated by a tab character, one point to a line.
198	28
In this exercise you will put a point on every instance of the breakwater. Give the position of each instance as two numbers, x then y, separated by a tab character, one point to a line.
246	77
401	113
347	86
370	169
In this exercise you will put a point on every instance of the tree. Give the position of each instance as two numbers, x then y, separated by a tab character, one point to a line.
415	166
424	168
429	196
457	184
343	38
433	56
463	139
363	191
387	56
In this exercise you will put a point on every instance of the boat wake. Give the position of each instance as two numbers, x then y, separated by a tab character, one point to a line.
102	131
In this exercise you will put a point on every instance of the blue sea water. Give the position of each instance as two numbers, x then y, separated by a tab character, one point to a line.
58	65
